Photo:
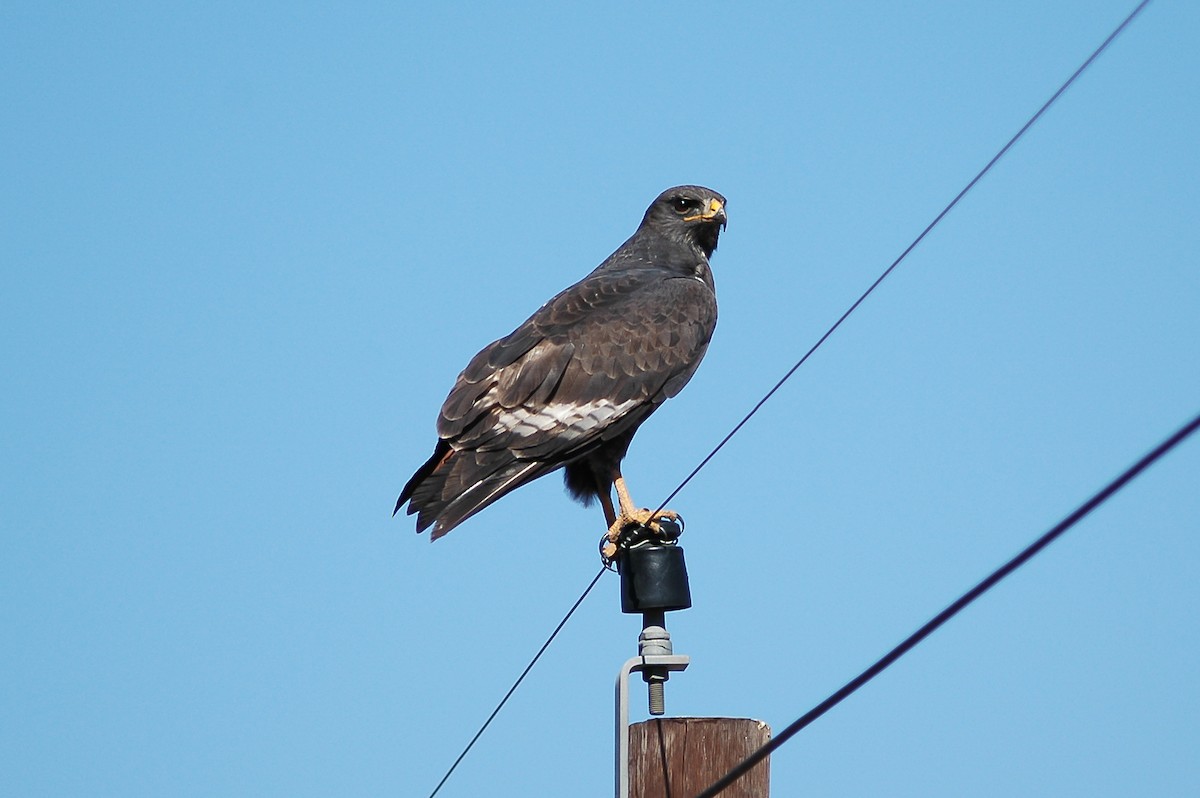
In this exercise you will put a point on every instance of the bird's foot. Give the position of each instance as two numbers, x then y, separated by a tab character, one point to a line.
662	524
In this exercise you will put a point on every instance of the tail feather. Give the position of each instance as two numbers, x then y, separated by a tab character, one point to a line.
452	486
482	494
441	453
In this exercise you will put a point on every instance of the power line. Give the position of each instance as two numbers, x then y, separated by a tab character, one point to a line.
520	679
908	249
960	604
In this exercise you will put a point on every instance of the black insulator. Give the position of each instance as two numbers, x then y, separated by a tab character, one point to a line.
653	577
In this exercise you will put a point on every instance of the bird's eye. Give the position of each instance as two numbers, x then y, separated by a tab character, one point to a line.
683	204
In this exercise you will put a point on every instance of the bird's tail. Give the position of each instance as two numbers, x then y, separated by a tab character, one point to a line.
452	486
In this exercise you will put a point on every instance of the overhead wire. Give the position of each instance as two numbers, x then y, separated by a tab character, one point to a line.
1017	136
520	679
961	603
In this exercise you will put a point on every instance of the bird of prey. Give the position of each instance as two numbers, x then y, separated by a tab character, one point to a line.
569	387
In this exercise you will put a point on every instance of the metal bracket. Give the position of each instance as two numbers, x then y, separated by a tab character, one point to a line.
660	662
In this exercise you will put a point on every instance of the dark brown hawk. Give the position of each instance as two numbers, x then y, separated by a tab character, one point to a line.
569	387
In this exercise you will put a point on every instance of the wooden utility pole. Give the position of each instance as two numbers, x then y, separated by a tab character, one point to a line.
680	757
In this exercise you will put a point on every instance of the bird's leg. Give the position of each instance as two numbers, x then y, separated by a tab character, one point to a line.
632	514
609	548
610	514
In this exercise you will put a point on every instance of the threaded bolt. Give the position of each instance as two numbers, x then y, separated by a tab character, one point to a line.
658	700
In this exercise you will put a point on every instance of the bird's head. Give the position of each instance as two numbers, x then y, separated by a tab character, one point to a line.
692	214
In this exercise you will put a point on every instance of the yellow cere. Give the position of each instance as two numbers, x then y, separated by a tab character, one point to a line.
714	207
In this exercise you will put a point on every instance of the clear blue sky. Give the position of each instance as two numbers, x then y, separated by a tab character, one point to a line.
247	248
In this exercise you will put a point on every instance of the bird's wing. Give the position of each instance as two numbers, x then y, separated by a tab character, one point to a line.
605	351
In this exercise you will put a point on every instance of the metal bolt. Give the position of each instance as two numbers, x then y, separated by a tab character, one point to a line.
658	701
655	639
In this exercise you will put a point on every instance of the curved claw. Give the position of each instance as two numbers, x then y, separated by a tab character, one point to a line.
608	553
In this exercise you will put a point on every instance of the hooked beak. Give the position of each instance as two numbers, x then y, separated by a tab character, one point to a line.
715	212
